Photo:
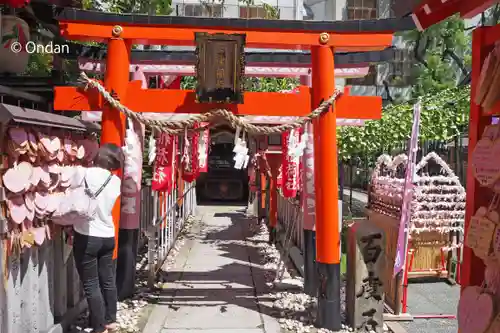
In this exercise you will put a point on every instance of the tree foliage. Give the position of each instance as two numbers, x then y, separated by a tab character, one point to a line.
269	84
158	7
39	64
442	55
444	115
491	16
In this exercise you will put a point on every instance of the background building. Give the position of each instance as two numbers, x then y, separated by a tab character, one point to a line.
387	79
384	79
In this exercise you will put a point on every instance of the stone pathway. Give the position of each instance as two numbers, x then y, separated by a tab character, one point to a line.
215	284
355	207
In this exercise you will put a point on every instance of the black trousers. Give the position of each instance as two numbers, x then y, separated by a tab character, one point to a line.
94	262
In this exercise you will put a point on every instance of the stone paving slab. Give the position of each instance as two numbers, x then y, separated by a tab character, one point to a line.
432	298
243	282
227	311
214	284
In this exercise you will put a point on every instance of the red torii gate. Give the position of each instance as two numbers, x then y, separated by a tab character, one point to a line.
322	45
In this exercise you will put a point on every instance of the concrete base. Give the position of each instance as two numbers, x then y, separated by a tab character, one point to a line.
310	273
297	259
399	317
126	262
329	310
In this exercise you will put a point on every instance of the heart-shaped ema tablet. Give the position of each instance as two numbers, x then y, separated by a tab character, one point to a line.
475	311
486	161
480	232
19	136
17	179
17	209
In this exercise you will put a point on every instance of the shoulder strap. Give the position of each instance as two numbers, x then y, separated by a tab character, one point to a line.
96	194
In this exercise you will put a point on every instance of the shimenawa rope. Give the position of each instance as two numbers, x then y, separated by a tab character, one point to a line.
179	126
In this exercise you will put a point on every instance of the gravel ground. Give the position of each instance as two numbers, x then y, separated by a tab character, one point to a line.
296	310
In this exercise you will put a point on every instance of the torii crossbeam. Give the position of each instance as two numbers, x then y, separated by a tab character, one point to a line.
121	31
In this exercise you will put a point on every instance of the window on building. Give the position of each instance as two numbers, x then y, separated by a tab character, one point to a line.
252	12
369	80
361	9
401	68
203	9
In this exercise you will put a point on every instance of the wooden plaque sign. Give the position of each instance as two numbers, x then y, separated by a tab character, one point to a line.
220	67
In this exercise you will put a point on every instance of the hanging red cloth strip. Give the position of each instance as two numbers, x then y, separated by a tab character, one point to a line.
301	171
165	162
15	3
252	179
169	82
290	167
189	161
279	179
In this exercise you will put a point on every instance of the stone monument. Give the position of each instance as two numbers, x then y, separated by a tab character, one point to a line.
364	290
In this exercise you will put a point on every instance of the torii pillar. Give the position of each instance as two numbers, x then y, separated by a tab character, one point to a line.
113	122
116	80
326	188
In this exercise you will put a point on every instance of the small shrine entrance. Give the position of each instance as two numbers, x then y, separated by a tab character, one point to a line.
219	96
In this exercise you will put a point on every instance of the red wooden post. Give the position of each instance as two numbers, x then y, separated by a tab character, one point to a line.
308	200
274	161
113	122
263	189
326	168
472	270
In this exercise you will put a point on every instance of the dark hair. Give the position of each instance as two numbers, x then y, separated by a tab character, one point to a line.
109	157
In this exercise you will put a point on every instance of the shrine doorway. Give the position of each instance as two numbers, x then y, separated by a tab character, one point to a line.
221	182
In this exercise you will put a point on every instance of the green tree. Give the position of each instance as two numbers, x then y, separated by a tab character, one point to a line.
158	7
442	54
491	16
444	115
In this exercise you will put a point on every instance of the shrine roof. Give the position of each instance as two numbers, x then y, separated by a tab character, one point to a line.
10	114
347	26
255	57
429	12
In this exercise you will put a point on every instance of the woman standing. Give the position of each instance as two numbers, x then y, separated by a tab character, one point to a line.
94	240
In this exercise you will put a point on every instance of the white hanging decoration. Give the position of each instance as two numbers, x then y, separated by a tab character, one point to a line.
130	138
185	156
240	149
202	150
296	147
132	145
151	149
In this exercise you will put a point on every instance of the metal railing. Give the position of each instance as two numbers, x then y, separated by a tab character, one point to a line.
289	213
168	213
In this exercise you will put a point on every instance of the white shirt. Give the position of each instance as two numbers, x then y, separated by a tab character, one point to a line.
101	225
